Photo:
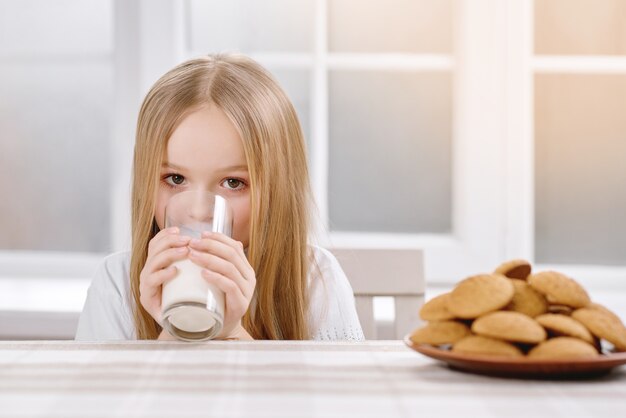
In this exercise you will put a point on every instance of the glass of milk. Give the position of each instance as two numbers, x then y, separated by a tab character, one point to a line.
193	309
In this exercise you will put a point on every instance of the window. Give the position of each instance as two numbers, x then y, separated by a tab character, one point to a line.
56	121
468	128
580	132
55	124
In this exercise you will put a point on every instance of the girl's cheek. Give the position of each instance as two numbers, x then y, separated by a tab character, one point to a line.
160	223
241	220
159	214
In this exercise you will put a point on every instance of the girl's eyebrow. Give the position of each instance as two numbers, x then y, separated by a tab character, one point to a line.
170	165
242	167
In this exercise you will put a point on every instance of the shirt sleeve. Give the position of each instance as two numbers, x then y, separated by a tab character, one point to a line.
105	316
332	307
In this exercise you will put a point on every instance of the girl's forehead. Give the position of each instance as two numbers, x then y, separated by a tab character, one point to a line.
205	138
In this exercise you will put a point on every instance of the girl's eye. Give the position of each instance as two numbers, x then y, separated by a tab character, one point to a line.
174	179
233	184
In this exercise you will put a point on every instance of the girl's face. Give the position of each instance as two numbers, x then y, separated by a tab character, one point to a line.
206	153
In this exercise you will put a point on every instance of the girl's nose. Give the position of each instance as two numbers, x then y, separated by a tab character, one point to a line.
201	207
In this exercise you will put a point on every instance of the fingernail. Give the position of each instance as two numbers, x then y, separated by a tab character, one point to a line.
195	241
207	234
173	230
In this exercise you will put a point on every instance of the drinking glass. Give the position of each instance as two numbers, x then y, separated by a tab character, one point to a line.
193	309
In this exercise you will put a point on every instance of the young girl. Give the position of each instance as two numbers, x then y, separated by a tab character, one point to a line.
223	124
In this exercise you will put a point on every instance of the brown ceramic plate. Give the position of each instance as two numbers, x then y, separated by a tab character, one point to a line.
522	367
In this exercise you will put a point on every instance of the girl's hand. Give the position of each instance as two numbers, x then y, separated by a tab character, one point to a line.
226	266
165	248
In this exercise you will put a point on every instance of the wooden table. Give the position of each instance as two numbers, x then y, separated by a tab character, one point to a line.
275	379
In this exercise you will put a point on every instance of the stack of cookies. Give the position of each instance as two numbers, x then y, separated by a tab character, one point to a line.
514	313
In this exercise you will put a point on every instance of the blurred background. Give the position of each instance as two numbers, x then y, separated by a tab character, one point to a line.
476	130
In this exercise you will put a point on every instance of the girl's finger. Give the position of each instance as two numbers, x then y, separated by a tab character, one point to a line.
151	286
169	239
227	250
162	234
166	258
236	302
219	265
233	243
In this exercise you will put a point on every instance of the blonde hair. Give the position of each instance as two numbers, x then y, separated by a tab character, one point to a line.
275	152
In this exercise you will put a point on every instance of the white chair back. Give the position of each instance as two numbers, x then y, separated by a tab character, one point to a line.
398	273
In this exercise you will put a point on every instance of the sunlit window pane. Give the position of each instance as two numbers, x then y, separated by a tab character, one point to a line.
580	142
250	26
390	152
410	26
580	27
56	27
55	124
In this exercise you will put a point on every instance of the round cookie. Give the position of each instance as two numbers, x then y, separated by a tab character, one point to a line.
562	348
509	326
564	325
527	300
560	289
478	295
603	326
440	333
436	309
606	310
475	344
514	269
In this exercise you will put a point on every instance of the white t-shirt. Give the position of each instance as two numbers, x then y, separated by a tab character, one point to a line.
107	314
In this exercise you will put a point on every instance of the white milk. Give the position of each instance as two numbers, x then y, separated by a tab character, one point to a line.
190	286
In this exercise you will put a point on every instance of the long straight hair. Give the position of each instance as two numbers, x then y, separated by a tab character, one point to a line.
279	184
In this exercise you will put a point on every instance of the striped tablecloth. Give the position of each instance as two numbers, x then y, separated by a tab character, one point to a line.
275	379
